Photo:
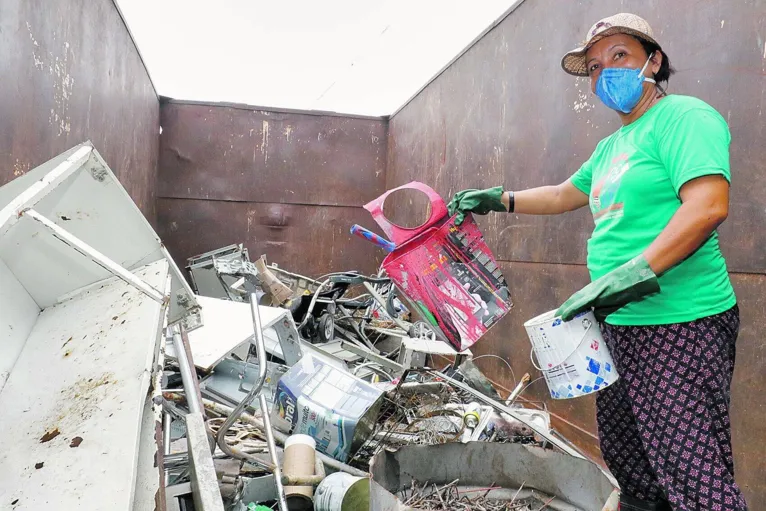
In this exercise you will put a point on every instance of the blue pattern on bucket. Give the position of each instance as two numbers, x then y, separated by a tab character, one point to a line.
608	367
588	388
594	366
599	380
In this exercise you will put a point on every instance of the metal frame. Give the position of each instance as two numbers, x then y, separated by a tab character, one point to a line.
237	412
95	256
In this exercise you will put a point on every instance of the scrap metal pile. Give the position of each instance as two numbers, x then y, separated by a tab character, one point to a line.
347	364
253	386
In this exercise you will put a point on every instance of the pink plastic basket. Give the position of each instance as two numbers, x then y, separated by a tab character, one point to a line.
447	271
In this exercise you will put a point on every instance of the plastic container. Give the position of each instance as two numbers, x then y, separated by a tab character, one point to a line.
572	355
446	270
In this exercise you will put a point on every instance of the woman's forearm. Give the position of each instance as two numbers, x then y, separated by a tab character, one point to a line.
685	233
705	206
547	200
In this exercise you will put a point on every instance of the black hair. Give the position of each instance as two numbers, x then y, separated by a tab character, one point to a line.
666	70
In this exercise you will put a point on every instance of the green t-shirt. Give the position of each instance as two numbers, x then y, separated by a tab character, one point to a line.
633	180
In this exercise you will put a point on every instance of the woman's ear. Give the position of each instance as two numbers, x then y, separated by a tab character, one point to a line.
656	61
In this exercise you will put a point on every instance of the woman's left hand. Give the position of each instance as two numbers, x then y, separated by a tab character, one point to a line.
631	281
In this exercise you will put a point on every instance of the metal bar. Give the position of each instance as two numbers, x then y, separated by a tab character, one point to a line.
356	328
193	370
207	494
372	357
95	256
166	439
382	303
192	399
10	214
281	500
510	411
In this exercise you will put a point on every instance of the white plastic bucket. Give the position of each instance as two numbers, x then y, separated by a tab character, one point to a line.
342	492
573	356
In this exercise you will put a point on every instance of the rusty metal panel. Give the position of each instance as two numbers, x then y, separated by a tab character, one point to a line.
238	153
311	240
748	414
69	72
505	114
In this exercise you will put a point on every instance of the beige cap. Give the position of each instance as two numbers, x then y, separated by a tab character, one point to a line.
623	23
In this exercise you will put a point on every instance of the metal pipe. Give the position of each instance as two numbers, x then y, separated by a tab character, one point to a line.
281	499
166	439
280	437
188	379
260	347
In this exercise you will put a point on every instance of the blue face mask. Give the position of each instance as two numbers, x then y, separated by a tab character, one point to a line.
620	88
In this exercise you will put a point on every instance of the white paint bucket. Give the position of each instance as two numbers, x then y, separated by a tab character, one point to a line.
573	356
342	492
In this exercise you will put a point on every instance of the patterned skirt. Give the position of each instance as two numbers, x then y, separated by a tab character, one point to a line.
664	426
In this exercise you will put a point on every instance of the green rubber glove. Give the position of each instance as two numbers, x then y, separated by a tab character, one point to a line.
614	290
480	202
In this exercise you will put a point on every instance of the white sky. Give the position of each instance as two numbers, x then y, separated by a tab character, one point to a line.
349	56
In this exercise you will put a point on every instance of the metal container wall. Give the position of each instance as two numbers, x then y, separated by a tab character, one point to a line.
69	73
506	114
286	184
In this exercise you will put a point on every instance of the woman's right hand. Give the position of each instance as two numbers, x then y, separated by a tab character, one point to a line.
479	202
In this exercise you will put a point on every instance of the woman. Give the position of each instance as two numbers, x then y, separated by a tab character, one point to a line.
658	188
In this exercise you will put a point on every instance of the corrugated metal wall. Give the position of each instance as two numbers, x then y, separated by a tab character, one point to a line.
505	114
287	184
69	72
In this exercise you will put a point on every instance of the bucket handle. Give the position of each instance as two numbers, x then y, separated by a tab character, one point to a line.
587	324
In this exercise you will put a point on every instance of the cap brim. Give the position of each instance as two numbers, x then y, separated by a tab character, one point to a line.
573	61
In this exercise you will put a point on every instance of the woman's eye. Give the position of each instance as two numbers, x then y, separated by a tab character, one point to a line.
619	55
593	68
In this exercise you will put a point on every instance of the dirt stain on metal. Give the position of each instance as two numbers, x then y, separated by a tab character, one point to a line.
80	401
50	435
38	466
76	441
67	342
